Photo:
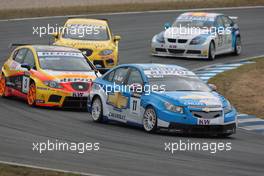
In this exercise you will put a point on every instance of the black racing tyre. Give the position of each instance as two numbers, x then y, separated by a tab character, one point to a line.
211	54
238	46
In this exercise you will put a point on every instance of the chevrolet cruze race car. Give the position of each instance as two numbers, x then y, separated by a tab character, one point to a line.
51	76
93	37
158	96
198	35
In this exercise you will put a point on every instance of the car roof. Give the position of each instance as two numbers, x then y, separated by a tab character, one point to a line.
86	21
201	14
146	66
43	48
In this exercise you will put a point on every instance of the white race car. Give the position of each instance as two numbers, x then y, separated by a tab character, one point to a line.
198	35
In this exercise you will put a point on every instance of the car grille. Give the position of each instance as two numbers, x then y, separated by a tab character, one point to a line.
87	52
182	40
160	50
194	52
171	40
75	102
178	41
207	115
80	86
176	51
54	98
204	129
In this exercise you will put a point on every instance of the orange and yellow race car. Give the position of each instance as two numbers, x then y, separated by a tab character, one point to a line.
93	37
50	76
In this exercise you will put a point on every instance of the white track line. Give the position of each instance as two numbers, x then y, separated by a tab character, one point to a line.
48	169
138	12
253	127
204	68
250	120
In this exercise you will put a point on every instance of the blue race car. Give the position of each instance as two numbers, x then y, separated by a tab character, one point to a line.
158	96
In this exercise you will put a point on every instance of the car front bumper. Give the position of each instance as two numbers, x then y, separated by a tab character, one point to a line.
203	129
49	97
180	50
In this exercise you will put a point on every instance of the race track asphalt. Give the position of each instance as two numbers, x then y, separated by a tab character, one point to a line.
125	150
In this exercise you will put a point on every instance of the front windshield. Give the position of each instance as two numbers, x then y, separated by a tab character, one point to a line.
86	32
63	61
194	21
179	83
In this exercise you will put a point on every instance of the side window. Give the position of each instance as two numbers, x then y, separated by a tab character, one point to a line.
109	77
134	77
227	22
120	75
19	57
14	54
29	59
219	22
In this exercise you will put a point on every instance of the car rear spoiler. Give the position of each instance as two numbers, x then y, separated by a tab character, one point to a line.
17	44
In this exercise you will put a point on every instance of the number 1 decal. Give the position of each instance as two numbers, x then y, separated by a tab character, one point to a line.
135	105
25	84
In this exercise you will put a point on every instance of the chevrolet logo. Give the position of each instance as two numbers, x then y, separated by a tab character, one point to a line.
206	109
117	100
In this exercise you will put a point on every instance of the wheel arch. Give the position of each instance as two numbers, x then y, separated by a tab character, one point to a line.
96	96
213	41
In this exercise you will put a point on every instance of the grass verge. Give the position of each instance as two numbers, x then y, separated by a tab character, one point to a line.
75	10
10	170
244	87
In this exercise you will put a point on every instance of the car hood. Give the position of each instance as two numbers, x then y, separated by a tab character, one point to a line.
182	33
69	76
85	44
187	98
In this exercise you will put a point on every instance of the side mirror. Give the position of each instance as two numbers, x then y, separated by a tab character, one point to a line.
212	87
25	65
55	35
117	38
235	25
167	25
136	88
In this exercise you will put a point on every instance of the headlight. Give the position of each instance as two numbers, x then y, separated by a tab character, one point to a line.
52	84
228	108
105	52
198	40
160	37
173	108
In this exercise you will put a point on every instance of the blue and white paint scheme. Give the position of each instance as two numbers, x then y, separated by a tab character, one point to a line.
158	96
198	35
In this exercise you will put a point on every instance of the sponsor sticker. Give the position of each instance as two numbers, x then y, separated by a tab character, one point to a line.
203	121
167	71
80	94
55	54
